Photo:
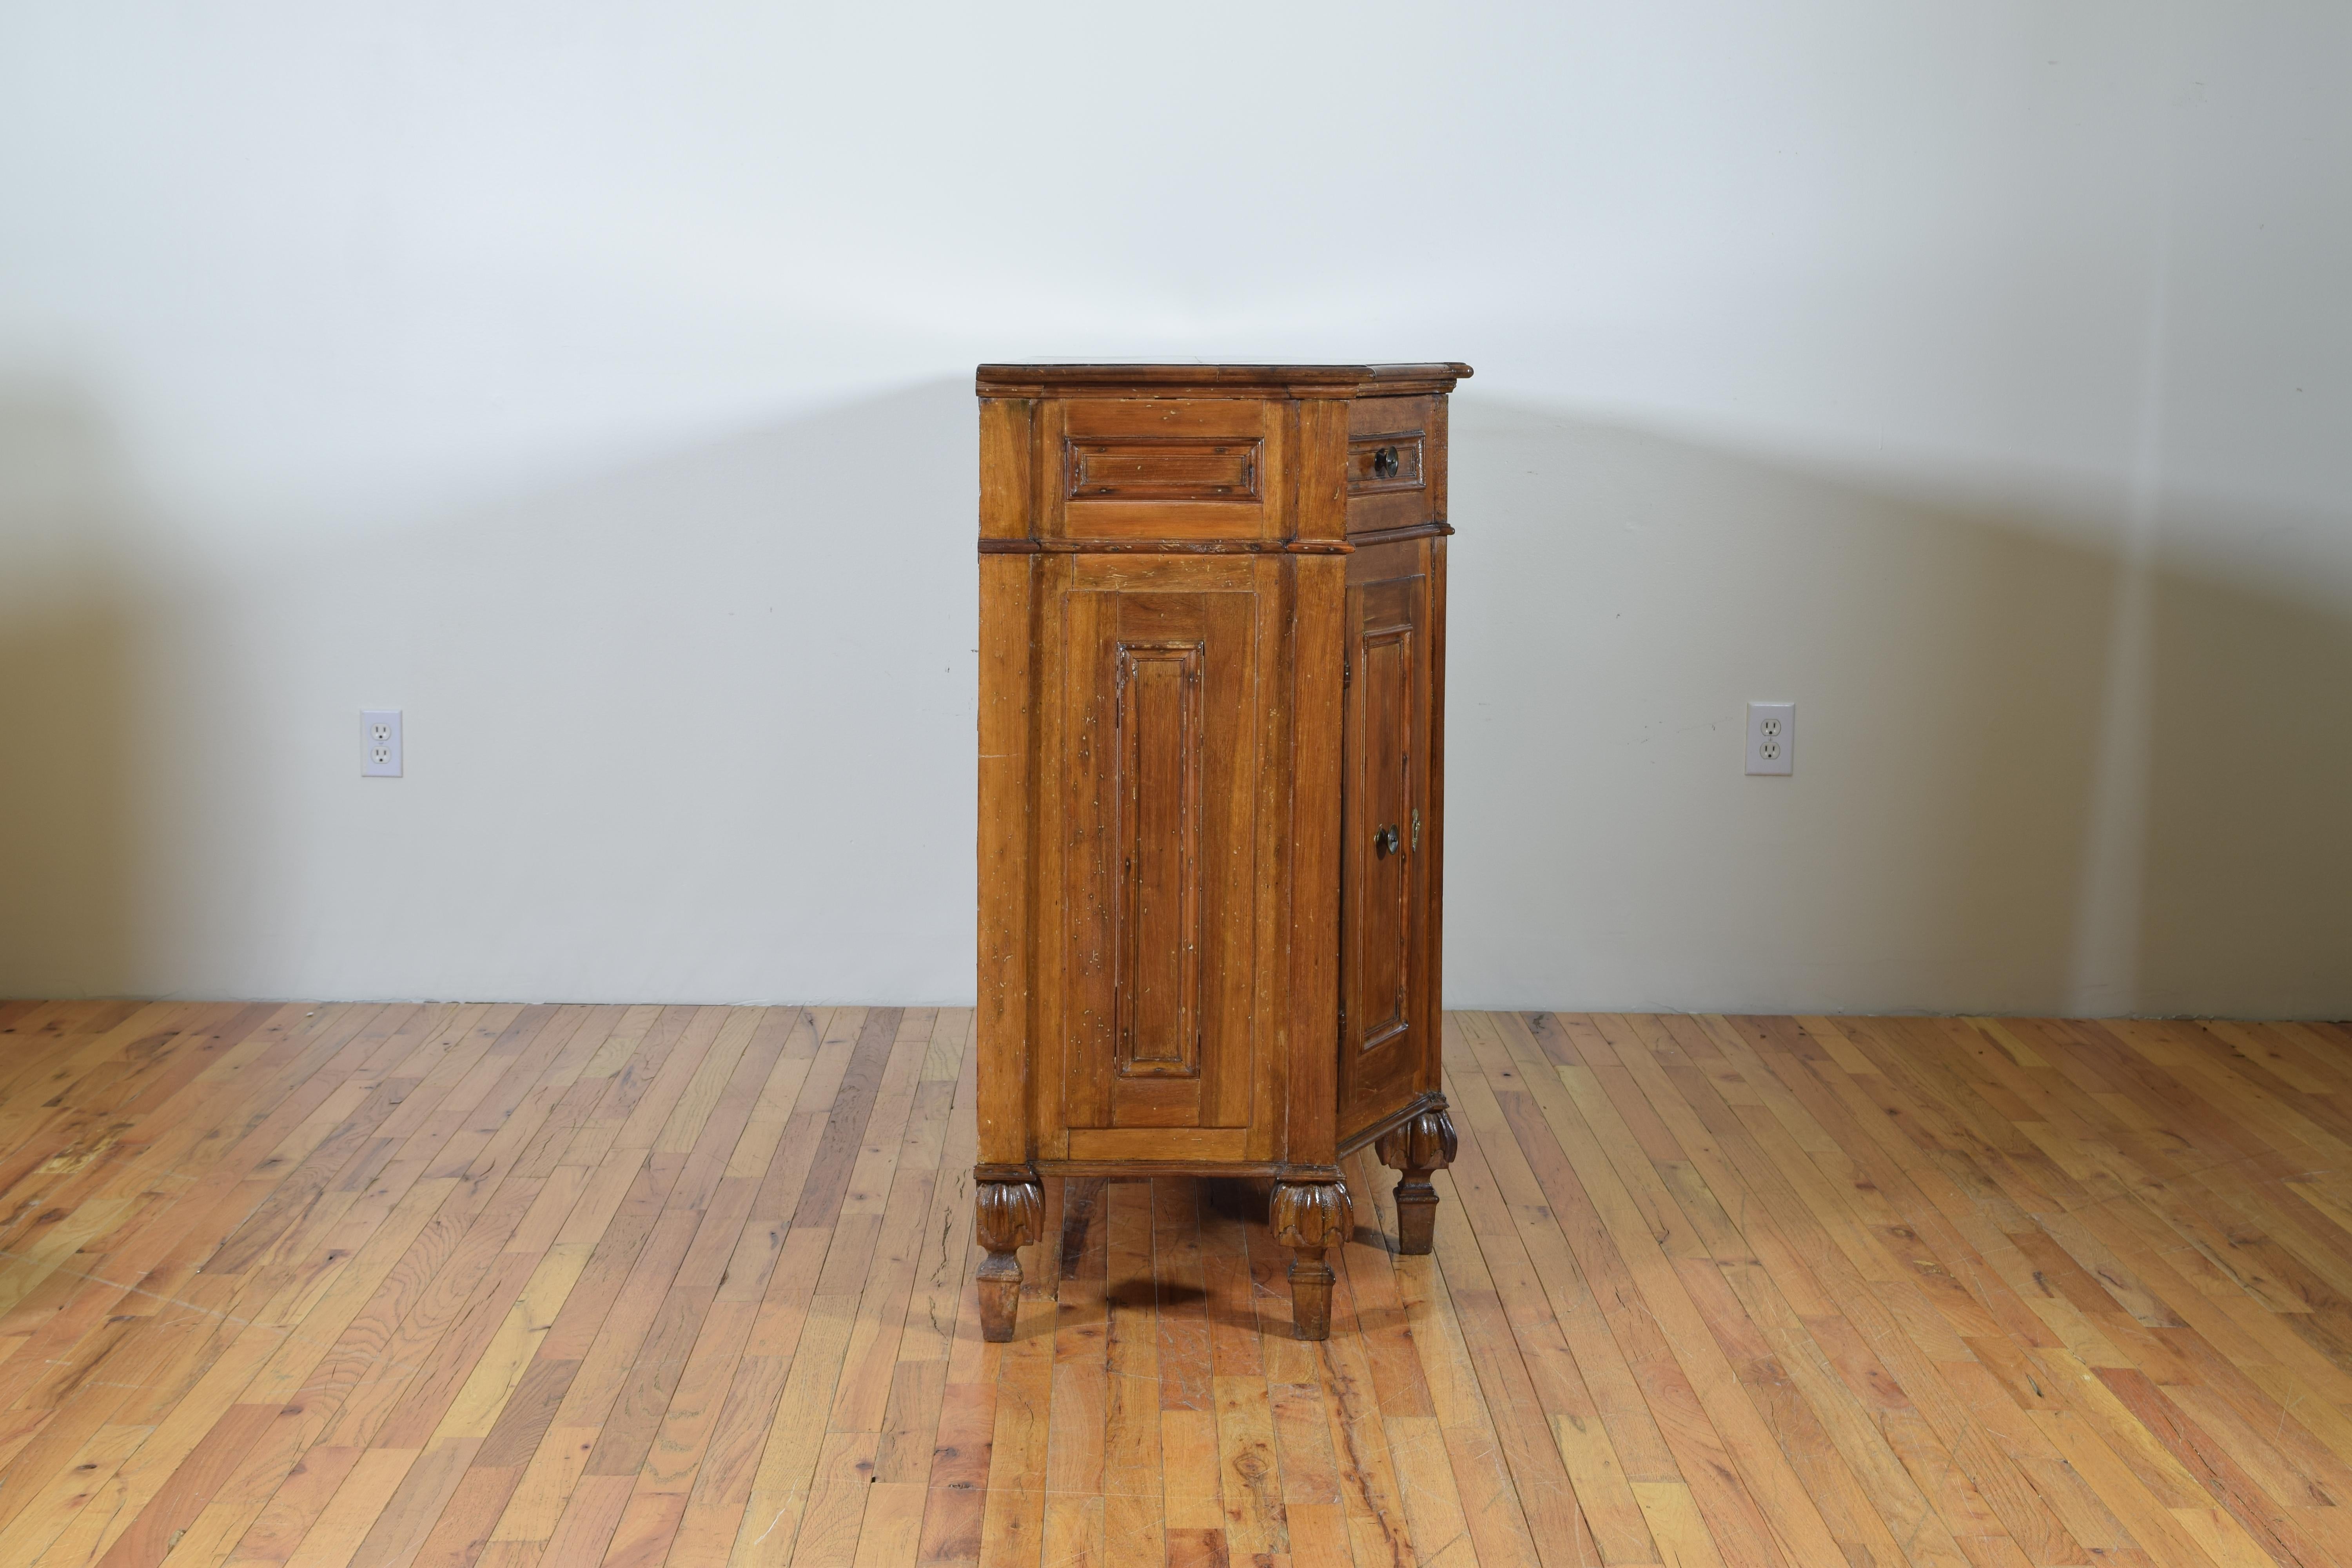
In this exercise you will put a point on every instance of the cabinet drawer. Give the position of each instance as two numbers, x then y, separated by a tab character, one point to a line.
1378	464
1396	462
1178	469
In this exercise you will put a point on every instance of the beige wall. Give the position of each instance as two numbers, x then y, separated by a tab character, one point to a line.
1951	839
593	386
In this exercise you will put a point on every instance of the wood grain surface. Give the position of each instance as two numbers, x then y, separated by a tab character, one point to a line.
1212	716
307	1285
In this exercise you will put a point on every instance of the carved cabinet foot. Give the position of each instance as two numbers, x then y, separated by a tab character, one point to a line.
1008	1212
1310	1218
1414	1147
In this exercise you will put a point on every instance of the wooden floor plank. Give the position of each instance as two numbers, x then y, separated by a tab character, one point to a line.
482	1285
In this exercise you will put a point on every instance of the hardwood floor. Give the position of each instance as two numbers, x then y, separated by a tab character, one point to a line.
512	1286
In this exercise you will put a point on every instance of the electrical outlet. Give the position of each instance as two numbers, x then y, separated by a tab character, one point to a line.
1771	736
380	729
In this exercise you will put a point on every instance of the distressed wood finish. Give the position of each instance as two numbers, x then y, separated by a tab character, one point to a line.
1212	699
456	1284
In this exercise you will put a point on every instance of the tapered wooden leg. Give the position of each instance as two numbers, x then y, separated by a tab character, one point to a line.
1416	1206
1422	1143
1007	1215
1310	1218
1310	1294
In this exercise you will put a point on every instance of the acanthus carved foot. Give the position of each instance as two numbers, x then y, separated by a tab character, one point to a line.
1310	1218
1008	1214
1423	1142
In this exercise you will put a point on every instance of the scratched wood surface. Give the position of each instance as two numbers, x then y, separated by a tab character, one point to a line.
447	1285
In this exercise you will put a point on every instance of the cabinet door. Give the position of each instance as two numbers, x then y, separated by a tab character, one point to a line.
1387	1019
1157	794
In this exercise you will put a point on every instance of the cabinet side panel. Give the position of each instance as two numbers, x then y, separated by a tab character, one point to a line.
1006	486
1007	593
1050	677
1432	867
1258	1099
1439	454
1082	770
1048	499
1319	634
1229	872
1321	464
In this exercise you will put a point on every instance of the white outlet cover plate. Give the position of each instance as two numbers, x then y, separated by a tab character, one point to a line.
379	742
1771	736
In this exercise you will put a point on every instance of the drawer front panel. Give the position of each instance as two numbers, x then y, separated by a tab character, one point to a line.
1211	468
1183	470
1396	462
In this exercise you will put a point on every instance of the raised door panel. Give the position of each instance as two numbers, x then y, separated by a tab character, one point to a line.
1158	788
1385	1014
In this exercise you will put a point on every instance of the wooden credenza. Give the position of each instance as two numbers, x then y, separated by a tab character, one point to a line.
1211	790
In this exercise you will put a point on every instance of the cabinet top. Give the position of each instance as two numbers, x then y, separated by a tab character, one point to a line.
1231	380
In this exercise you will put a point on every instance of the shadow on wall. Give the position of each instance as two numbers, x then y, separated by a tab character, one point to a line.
69	659
701	729
1619	597
2246	883
698	727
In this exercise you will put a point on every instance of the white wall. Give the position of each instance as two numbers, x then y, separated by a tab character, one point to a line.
591	381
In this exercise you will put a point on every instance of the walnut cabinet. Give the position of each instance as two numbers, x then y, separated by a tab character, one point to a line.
1211	790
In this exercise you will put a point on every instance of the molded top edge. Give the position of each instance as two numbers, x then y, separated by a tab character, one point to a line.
992	378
